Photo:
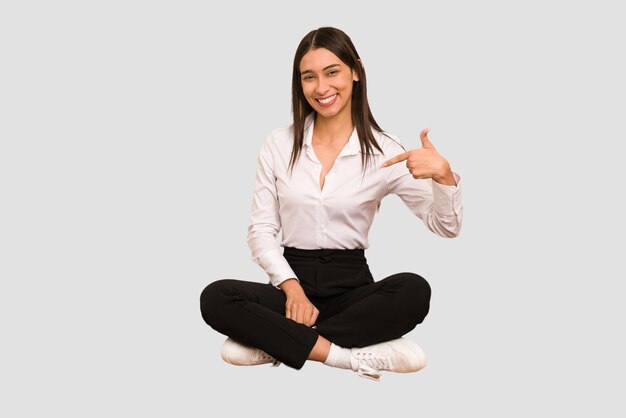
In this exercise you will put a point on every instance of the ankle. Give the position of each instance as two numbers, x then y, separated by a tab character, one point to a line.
320	350
339	357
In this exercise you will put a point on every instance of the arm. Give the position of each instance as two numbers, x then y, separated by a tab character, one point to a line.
427	185
265	222
439	206
266	251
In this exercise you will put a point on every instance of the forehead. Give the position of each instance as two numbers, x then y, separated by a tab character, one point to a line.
317	59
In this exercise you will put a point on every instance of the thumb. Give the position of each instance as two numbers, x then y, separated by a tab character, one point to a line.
424	138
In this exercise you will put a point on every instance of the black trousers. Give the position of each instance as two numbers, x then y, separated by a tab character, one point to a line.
355	310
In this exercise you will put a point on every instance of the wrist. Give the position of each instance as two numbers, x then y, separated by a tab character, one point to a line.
445	176
290	286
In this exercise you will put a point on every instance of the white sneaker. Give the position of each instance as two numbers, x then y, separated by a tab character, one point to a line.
238	354
400	356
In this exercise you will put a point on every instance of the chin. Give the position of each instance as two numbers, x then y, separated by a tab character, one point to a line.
327	113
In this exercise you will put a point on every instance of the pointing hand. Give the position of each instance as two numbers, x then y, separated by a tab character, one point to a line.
425	162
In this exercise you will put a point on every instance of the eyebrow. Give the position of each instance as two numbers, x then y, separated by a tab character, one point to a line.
323	69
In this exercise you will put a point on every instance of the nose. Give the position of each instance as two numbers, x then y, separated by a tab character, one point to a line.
322	87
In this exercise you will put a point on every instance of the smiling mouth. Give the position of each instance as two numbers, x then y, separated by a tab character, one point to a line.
327	101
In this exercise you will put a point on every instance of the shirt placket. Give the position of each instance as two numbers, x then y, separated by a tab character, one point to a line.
321	215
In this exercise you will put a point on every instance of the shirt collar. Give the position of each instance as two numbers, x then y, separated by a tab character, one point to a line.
352	147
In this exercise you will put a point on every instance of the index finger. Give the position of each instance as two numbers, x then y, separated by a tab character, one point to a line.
396	159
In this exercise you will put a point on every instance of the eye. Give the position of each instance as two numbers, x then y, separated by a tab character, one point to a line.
308	77
333	72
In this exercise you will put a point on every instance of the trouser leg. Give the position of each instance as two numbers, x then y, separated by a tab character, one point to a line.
370	314
254	314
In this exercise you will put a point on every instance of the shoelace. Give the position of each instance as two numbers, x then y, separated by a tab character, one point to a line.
262	355
371	363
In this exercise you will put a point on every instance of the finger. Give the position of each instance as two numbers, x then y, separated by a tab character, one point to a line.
288	313
396	159
425	140
308	313
316	313
300	317
311	316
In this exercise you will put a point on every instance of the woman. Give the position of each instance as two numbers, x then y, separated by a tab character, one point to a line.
321	180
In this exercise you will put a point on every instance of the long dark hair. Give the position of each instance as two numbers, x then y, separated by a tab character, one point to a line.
340	44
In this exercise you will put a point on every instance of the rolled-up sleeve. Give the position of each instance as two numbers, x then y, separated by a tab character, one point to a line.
440	207
265	222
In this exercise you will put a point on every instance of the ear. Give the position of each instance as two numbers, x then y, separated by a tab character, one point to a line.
355	76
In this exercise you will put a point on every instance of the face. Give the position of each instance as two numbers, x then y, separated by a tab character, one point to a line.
326	82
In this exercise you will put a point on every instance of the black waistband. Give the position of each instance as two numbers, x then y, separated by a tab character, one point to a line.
356	253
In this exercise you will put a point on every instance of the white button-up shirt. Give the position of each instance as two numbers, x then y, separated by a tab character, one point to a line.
339	215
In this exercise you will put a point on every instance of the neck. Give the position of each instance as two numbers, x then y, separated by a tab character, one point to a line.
329	130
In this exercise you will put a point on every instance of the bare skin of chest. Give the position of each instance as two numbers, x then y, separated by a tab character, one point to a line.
327	155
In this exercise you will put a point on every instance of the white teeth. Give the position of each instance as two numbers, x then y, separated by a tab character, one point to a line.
327	100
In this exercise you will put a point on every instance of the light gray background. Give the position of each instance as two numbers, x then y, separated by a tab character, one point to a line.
130	131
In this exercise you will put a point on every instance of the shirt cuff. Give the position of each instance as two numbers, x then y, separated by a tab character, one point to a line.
448	198
281	272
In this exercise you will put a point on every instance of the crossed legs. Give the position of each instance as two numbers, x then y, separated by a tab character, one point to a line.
254	314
